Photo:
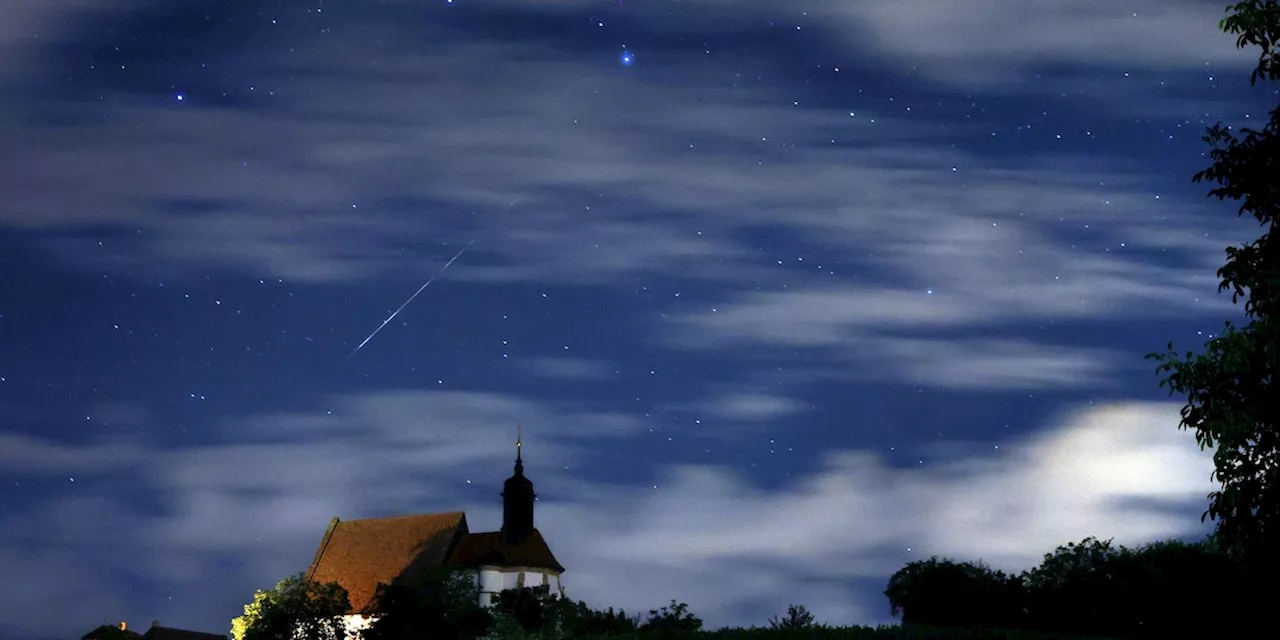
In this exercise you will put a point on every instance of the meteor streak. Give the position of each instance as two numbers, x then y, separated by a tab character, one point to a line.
415	294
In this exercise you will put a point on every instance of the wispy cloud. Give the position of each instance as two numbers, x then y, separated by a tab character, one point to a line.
993	364
320	182
857	517
750	406
568	368
988	42
911	335
853	517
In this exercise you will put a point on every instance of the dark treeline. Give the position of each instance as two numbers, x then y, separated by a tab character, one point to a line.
445	608
1091	588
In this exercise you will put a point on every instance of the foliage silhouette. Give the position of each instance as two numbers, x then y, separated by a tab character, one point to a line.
112	632
798	617
537	610
578	619
905	632
440	605
1090	588
296	609
1077	588
671	621
941	592
1167	571
1257	22
444	606
530	607
1232	389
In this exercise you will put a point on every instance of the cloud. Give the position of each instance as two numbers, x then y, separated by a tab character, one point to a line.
989	42
331	173
752	407
568	368
856	517
20	455
27	23
994	364
918	337
239	516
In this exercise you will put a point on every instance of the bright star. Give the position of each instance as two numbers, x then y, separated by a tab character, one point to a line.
179	97
627	58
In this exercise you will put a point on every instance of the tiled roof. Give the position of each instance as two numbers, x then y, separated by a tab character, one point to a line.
488	548
111	632
359	554
169	633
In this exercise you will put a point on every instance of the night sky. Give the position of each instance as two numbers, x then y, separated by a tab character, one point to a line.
784	294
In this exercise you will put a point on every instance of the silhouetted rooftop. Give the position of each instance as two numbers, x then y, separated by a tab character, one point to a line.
169	633
360	554
111	632
488	548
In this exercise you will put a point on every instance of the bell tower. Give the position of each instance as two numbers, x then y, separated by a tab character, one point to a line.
517	501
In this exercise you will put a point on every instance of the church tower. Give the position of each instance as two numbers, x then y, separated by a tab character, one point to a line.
361	554
517	503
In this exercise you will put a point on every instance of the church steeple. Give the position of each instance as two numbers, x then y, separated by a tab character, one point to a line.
517	501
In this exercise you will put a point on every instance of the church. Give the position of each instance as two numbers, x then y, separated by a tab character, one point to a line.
360	554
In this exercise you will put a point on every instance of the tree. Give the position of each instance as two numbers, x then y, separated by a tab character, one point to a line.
296	609
1163	573
1233	388
1257	22
1083	588
798	617
576	619
672	621
1091	588
1094	588
440	605
528	611
945	593
528	606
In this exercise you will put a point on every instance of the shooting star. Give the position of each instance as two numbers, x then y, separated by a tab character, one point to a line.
415	294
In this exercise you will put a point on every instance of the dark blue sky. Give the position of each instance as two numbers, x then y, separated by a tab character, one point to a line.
792	295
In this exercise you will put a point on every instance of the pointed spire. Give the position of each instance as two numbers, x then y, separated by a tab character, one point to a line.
517	499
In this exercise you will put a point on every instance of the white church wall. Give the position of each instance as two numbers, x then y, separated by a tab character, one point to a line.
352	624
355	623
490	583
494	580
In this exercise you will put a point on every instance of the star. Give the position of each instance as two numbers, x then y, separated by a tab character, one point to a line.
627	58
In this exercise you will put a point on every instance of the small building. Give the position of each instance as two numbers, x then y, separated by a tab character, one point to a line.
155	632
361	554
112	632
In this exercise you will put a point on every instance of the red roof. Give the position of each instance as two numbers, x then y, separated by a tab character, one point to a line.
477	549
360	554
112	632
157	632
